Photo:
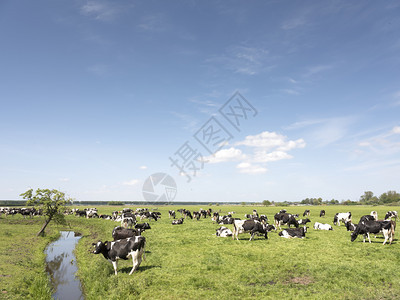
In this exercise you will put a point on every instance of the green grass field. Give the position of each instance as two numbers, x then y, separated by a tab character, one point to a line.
188	261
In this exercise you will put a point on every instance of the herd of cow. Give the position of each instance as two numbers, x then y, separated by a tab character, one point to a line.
128	239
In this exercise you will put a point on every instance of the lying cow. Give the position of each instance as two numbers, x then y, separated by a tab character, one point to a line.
177	222
344	217
122	249
294	232
375	227
223	232
249	226
321	226
304	221
142	227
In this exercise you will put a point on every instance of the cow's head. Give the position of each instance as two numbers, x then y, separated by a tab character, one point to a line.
99	247
354	236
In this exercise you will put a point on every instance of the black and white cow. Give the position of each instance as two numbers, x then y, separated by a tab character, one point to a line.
367	218
122	249
197	215
293	232
177	222
223	232
306	213
322	213
119	233
321	226
250	226
391	214
375	227
350	226
142	227
344	217
171	214
285	218
304	221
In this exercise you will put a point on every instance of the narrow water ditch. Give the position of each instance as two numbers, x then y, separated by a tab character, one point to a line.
61	266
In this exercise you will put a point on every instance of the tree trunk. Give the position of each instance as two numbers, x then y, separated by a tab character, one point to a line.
41	232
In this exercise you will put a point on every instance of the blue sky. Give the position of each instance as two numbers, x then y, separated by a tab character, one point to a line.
98	95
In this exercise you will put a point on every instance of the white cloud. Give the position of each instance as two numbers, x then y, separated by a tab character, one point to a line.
265	147
100	10
64	179
224	155
268	140
396	130
143	167
131	182
264	156
248	168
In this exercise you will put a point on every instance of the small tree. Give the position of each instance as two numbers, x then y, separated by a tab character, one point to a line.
50	202
266	203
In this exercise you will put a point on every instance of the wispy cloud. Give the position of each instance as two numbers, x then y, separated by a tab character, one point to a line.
243	59
314	70
325	131
143	167
293	23
101	10
249	168
131	182
154	23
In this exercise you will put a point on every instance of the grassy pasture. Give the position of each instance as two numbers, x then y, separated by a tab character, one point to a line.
188	261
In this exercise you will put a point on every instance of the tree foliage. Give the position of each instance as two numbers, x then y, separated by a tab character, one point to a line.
51	204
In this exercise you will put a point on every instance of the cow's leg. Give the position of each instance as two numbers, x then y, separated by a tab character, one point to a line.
136	260
252	235
369	239
114	263
386	236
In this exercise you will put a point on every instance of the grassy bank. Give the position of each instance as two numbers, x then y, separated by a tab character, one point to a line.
188	261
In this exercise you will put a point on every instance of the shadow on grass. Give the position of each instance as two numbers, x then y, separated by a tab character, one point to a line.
140	269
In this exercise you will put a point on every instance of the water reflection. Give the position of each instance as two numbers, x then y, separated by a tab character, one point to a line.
61	266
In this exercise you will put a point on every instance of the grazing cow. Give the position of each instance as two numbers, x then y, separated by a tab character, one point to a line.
375	227
105	217
306	213
142	227
342	217
321	226
128	222
350	226
367	218
122	249
120	233
293	232
391	214
304	221
285	218
171	214
187	214
223	232
196	215
250	226
177	222
215	217
226	220
322	213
